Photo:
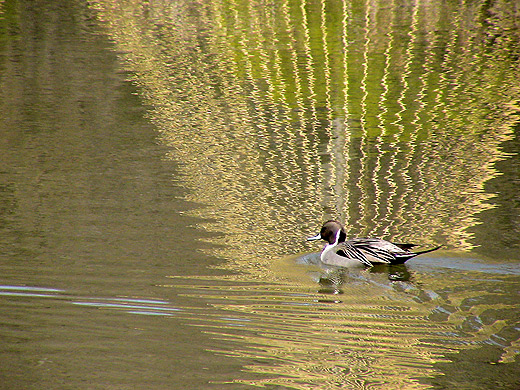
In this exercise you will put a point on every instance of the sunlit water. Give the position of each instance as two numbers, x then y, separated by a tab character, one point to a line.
163	162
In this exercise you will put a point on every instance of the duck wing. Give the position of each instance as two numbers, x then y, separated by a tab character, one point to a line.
381	251
346	249
377	250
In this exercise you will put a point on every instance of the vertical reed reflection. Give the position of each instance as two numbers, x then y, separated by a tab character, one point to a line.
388	117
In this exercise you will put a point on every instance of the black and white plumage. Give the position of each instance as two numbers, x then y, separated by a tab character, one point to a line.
361	251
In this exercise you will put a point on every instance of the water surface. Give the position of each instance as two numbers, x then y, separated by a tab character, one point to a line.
162	163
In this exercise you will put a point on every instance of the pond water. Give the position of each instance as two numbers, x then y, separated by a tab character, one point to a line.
162	163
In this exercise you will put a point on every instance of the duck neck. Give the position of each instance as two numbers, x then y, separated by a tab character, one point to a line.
340	236
326	251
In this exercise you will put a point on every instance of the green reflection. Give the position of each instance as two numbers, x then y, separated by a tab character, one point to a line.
388	117
285	115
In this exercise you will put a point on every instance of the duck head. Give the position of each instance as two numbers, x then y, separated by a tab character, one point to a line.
332	232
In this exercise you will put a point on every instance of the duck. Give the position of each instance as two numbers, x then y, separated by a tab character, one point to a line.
361	251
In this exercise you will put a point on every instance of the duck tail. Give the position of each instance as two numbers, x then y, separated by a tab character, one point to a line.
401	258
427	250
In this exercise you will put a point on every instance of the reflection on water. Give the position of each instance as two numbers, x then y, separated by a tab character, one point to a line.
132	262
362	330
394	127
133	306
368	331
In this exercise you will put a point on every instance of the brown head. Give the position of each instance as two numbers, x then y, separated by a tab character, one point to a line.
332	232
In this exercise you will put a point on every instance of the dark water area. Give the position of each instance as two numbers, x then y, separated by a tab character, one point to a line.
161	164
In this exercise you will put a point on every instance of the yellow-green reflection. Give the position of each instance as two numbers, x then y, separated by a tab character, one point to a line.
389	117
286	115
371	333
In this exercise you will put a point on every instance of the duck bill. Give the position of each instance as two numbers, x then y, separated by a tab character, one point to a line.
315	238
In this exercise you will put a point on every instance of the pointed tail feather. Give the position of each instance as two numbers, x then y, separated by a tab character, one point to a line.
400	258
427	250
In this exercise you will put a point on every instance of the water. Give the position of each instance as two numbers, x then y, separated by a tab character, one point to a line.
162	163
